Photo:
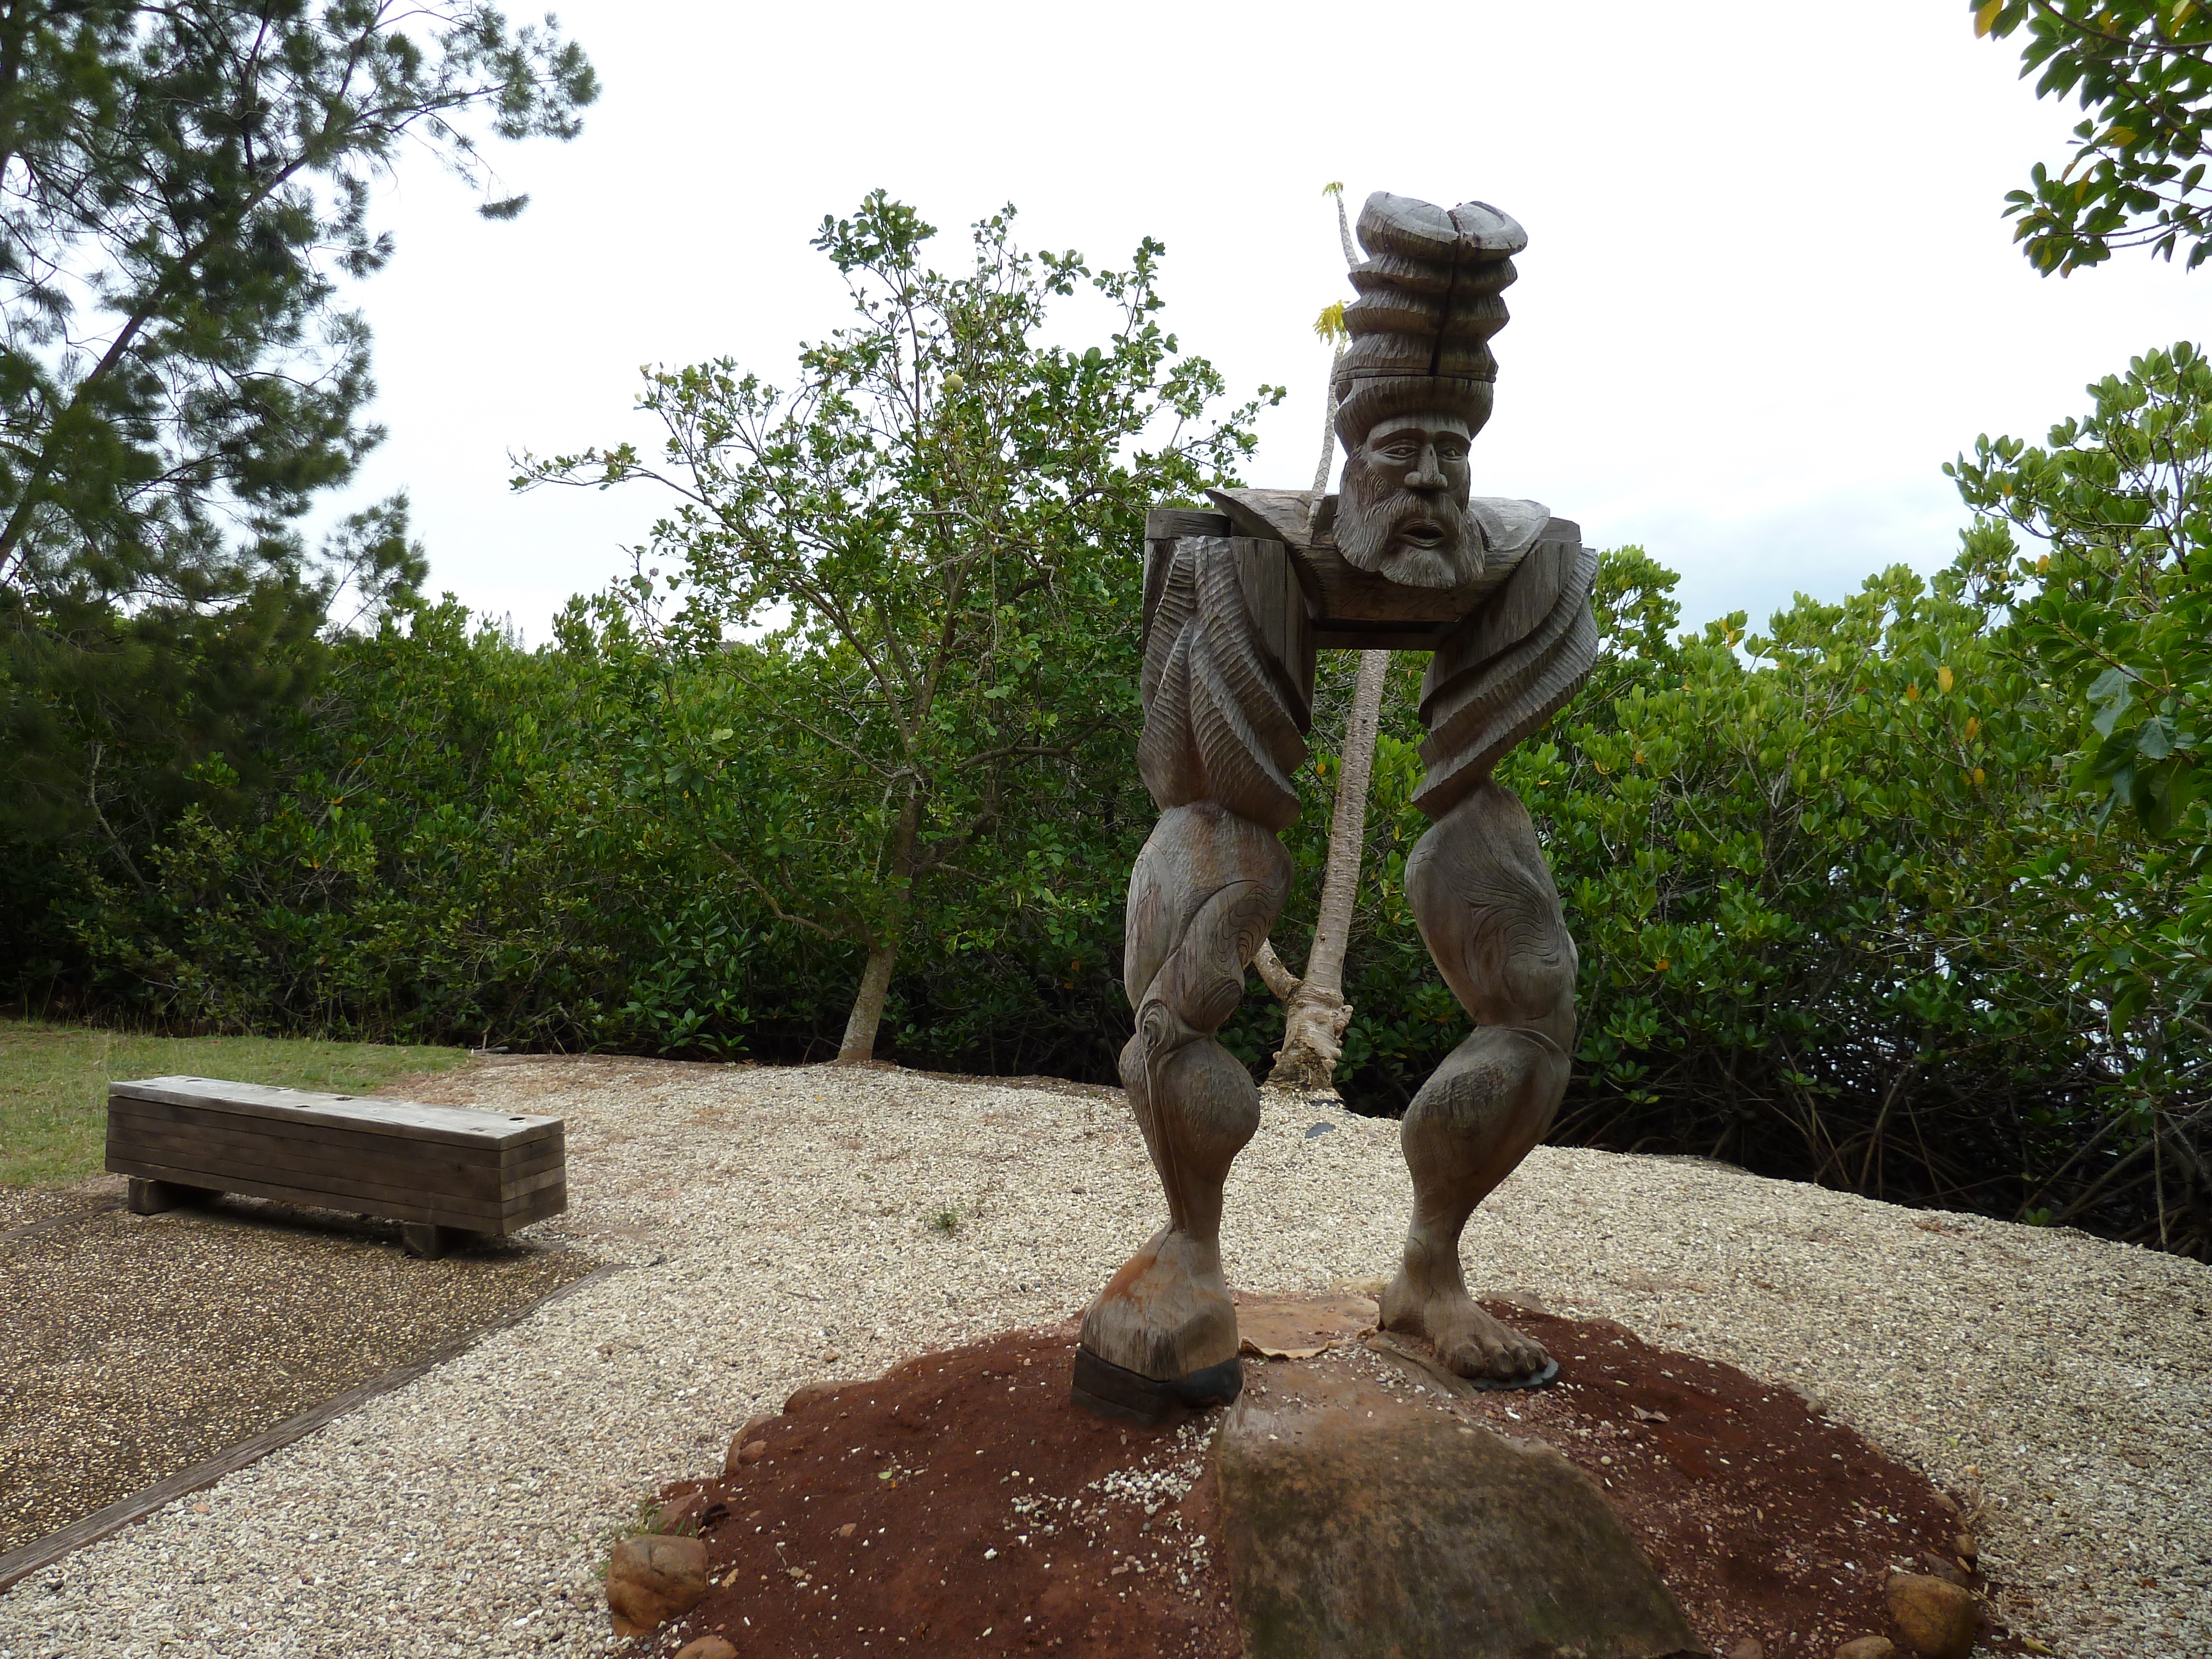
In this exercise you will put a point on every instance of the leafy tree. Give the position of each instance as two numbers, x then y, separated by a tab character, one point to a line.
2117	615
2120	608
2142	70
183	187
937	529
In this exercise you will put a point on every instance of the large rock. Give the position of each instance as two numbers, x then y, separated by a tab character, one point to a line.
1937	1620
1360	1523
651	1580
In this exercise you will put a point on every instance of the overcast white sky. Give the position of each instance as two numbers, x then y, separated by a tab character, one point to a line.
1768	290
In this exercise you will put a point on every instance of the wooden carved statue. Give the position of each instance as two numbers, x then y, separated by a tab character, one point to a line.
1237	602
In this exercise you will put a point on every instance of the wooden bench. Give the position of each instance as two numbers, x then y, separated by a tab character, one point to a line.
437	1170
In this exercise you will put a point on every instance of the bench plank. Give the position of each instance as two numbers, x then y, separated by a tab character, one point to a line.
407	1120
423	1165
536	1207
212	1148
336	1150
338	1192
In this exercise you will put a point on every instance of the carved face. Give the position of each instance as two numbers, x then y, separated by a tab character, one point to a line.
1403	512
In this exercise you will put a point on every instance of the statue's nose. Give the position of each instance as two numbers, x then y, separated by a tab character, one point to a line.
1429	474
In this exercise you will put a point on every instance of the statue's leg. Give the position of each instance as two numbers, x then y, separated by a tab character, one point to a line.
1489	915
1204	891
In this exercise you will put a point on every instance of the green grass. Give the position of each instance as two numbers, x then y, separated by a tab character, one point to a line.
54	1078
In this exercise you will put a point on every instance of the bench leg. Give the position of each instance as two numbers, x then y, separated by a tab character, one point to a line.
428	1243
152	1197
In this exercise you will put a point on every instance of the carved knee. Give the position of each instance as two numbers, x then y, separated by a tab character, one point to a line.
1489	915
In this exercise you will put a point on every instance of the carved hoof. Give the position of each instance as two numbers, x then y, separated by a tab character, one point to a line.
1111	1390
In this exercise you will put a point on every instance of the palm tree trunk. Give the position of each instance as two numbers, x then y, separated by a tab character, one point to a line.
1316	1012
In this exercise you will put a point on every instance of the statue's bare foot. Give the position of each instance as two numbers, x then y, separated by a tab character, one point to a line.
1465	1337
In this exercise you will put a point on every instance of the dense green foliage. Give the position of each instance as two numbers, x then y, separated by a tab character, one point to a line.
183	188
2116	620
936	530
2142	70
1908	895
1831	885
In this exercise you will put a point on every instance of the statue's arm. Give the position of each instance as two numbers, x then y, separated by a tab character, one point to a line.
1508	668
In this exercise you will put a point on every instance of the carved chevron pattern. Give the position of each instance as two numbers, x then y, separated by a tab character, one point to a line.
1506	670
1218	726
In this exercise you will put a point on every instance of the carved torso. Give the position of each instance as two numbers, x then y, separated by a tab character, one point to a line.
1237	602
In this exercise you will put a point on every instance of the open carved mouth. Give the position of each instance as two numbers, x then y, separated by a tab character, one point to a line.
1422	534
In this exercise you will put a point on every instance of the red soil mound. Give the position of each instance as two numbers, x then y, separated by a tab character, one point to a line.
961	1500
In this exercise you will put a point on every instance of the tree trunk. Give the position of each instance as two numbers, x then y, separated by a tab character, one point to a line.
1316	1012
1327	430
859	1046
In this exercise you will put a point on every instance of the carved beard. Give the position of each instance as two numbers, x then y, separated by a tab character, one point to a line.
1372	518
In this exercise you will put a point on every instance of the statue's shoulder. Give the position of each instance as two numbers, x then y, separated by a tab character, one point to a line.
1510	527
1282	515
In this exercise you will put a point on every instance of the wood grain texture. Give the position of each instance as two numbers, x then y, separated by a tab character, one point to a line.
1431	297
1224	712
1489	912
429	1166
1227	684
221	1155
1206	889
1505	671
408	1120
1353	609
362	1136
1406	558
329	1140
362	1198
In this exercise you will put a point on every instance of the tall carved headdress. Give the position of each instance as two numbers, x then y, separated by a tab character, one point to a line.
1430	296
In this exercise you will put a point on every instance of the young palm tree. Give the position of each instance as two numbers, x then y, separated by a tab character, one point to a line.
1315	1012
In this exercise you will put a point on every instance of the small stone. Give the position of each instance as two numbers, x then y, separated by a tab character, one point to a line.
1938	1620
848	1529
652	1579
707	1646
830	1356
681	1518
744	1438
1749	1648
1968	1551
1950	1572
1945	1502
752	1451
1867	1647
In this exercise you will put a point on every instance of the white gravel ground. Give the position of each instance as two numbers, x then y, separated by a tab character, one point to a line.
770	1217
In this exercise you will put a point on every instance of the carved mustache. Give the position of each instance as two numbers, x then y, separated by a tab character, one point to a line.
1429	521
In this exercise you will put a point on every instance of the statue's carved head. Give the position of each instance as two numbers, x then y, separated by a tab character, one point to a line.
1415	385
1403	514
